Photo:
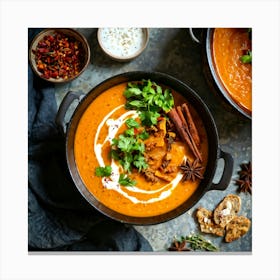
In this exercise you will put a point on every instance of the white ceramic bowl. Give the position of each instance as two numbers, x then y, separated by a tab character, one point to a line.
123	44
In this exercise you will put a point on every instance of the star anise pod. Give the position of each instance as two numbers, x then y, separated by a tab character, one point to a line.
246	171
245	178
179	246
191	171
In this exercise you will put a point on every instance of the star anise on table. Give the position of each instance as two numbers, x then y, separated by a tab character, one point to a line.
179	246
191	170
245	178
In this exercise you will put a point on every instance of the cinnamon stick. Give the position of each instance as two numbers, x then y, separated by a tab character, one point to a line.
179	125
194	147
181	115
191	124
177	118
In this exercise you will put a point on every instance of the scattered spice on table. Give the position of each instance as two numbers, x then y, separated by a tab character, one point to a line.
198	242
59	56
195	242
179	245
245	178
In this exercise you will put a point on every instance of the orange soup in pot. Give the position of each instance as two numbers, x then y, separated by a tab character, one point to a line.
160	184
229	45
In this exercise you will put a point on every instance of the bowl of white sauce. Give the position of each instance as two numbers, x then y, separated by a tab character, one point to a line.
123	44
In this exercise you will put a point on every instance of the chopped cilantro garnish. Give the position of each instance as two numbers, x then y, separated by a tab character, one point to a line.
129	132
140	162
246	58
149	118
103	171
143	135
125	143
132	123
149	100
124	180
129	150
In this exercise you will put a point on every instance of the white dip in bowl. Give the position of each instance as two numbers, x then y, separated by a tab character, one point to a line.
123	44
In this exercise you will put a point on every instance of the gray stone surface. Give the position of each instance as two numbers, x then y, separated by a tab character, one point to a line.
172	51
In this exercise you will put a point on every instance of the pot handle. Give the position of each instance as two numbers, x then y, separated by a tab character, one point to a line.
227	172
64	106
193	36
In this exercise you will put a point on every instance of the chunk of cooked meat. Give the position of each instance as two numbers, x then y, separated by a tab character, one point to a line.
162	126
164	164
150	176
163	159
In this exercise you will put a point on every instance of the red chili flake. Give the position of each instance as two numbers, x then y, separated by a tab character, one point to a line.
59	56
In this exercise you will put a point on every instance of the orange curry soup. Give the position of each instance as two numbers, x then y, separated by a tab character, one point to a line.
228	46
92	148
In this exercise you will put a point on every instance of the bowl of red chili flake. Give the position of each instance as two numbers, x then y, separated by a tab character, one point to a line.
59	55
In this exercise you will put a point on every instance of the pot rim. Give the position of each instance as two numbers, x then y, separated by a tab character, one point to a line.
204	186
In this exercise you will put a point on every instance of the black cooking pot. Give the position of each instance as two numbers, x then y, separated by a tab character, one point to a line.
204	37
215	152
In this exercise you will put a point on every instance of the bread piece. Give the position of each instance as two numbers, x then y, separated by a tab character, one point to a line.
227	209
207	225
236	228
